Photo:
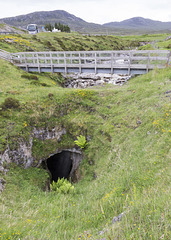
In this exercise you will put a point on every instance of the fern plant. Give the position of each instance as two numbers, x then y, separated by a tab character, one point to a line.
81	141
62	186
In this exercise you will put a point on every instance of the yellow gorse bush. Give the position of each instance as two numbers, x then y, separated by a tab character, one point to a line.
14	39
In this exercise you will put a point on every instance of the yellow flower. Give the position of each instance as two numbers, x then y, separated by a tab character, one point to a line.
25	124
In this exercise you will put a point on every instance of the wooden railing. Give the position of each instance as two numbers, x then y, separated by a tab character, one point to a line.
92	60
5	55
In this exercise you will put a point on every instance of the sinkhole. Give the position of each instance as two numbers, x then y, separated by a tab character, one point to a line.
65	164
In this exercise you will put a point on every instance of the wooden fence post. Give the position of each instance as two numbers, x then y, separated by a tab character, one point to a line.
168	60
111	62
95	63
129	63
80	63
148	61
65	63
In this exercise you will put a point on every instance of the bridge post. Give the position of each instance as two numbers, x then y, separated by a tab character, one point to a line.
111	63
129	63
65	64
25	61
38	64
95	62
79	63
51	62
168	60
27	69
148	61
52	69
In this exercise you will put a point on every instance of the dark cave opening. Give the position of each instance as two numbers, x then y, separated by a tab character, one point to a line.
60	165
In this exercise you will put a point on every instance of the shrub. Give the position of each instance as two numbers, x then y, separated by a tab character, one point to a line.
10	103
50	95
47	43
34	37
45	85
62	186
81	141
57	78
169	46
34	82
30	77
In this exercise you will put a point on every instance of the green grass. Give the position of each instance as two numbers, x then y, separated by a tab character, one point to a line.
78	42
129	132
130	160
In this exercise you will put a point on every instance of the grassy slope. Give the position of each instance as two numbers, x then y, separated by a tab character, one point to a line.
75	42
130	160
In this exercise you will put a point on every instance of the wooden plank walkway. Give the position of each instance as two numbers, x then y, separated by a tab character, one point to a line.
128	62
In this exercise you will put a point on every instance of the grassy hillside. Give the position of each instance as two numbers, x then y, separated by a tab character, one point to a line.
125	166
8	28
78	42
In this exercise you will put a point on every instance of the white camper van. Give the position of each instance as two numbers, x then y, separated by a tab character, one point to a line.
32	28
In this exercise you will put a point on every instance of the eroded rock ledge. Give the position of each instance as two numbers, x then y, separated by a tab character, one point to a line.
23	155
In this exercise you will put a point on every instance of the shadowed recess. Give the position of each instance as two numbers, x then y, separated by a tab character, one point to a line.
60	165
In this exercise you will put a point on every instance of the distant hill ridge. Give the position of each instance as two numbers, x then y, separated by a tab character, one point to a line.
139	22
131	25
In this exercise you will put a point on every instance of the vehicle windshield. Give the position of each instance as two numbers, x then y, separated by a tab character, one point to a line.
31	28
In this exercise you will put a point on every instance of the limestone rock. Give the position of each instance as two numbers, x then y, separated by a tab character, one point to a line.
99	82
23	154
80	85
84	80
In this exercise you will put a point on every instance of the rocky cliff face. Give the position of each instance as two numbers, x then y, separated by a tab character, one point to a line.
23	154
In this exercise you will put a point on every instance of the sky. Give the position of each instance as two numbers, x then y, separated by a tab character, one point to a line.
96	11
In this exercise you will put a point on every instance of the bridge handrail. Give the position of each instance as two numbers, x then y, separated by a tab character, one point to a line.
150	58
5	55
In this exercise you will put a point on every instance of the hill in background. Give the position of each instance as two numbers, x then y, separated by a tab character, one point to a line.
134	25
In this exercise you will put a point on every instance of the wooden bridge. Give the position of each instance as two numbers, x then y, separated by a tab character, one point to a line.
5	55
121	62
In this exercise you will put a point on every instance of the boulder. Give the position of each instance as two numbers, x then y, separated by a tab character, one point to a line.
100	82
81	85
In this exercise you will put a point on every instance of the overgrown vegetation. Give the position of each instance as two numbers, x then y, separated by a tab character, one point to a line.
126	162
78	42
62	186
10	103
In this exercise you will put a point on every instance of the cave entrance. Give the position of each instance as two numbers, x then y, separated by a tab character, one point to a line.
64	164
